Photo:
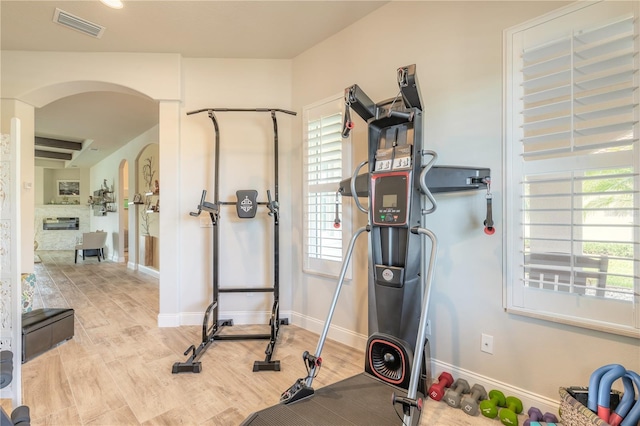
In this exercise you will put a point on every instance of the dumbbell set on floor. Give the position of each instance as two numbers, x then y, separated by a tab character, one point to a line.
474	400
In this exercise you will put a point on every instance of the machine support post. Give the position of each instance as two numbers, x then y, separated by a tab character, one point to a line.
334	302
216	231
424	317
302	387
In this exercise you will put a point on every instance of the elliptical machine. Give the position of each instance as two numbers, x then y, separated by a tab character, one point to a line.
402	255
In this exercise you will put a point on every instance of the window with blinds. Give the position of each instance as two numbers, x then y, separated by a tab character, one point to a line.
325	164
573	164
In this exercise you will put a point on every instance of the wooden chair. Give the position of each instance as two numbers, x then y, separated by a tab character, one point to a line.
542	271
92	245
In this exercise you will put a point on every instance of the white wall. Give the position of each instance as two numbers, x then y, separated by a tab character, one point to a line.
39	78
457	47
246	162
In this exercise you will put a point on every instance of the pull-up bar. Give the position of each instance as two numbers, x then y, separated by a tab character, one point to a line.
241	110
212	325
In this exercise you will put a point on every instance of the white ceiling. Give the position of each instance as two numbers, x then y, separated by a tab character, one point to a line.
206	28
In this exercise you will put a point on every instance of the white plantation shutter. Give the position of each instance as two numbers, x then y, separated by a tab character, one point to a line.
572	163
325	165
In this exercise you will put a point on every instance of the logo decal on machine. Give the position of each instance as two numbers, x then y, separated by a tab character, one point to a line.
246	205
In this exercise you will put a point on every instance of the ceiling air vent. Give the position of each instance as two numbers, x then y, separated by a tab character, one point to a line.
71	21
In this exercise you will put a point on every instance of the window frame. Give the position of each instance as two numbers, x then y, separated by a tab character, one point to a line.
513	266
324	267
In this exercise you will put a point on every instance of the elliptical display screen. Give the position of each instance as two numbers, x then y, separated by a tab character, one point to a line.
390	198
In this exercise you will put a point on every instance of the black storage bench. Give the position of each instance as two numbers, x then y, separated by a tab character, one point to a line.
43	329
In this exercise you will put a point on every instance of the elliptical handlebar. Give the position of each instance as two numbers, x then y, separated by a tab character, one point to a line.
423	185
302	387
353	187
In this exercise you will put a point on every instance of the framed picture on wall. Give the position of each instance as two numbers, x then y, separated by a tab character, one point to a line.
68	188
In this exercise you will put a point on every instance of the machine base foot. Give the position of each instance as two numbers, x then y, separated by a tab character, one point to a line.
186	367
297	392
266	366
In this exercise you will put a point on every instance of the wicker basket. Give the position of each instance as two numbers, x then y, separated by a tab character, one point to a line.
573	413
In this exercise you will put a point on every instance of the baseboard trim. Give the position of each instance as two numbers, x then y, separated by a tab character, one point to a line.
149	271
529	399
337	333
169	320
144	269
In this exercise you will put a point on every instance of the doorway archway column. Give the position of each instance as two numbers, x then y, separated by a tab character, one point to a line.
169	141
26	114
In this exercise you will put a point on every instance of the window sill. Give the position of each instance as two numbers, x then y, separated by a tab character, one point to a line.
572	321
330	275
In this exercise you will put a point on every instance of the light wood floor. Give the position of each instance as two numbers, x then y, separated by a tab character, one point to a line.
117	368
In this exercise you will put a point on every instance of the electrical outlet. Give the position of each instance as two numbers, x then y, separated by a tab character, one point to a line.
487	344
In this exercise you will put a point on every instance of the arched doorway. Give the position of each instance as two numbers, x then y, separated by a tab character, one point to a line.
102	125
165	91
